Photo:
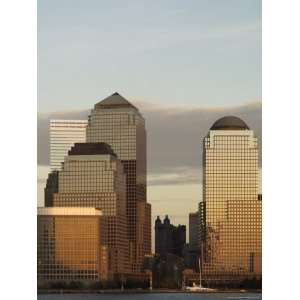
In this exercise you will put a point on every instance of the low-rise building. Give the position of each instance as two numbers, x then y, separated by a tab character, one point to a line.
69	246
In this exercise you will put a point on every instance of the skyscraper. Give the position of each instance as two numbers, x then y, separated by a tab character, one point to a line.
231	210
63	135
69	244
117	122
93	176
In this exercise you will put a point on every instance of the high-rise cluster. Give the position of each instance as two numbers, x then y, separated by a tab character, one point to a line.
97	223
106	172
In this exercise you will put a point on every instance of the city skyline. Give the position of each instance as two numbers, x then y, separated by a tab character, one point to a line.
182	64
116	130
170	179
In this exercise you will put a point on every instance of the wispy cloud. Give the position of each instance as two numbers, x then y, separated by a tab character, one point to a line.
178	176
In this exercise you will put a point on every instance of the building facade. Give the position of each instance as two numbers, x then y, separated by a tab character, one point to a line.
194	230
169	239
93	176
69	245
63	134
51	188
192	249
118	123
230	214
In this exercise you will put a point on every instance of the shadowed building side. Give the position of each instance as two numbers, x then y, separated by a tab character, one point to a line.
51	188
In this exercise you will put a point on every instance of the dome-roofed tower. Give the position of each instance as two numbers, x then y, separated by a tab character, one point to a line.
229	123
230	213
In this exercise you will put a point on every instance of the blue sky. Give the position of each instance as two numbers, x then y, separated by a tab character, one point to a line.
198	53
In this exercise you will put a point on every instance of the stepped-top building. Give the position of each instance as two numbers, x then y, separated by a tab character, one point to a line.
117	122
93	176
230	214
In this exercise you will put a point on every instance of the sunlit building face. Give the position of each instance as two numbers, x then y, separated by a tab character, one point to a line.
118	123
231	208
69	244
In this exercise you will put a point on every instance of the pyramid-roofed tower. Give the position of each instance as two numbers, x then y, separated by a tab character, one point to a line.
114	101
118	123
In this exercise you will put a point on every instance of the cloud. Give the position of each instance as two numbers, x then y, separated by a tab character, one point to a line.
174	137
179	176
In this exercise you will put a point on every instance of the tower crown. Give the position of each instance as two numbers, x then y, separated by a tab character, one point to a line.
166	220
158	220
114	101
229	123
91	149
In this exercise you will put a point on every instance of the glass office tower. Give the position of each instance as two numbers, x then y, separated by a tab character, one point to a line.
69	244
230	214
117	122
92	176
63	135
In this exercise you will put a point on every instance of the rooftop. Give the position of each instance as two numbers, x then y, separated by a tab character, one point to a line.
229	123
114	101
69	211
91	149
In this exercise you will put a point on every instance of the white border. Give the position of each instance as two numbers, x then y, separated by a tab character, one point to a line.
281	180
281	149
18	88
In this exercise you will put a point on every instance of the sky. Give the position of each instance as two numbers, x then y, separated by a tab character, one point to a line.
198	53
182	63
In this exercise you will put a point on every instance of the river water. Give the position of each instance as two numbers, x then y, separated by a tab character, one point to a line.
164	296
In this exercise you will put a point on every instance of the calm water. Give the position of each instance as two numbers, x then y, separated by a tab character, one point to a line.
225	296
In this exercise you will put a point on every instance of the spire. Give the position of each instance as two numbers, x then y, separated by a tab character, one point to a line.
158	221
166	220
